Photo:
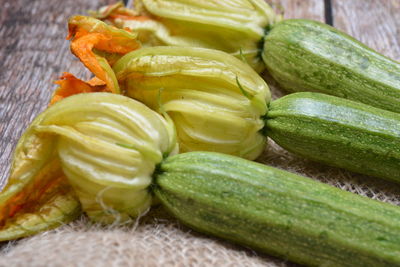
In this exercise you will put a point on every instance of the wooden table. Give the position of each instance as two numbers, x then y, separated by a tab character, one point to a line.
34	52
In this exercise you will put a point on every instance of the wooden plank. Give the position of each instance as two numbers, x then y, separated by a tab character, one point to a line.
307	9
33	53
375	23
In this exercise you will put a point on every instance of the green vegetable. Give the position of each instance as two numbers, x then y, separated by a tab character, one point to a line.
277	212
305	55
337	132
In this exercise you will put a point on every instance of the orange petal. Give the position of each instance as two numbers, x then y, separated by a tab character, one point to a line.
96	82
82	48
70	85
99	45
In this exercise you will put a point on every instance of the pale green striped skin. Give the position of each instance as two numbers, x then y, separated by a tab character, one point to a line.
337	132
277	212
305	55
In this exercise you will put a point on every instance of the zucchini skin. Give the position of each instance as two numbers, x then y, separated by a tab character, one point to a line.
305	55
277	212
337	132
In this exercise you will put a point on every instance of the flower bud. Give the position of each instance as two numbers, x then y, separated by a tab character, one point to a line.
215	100
107	145
235	27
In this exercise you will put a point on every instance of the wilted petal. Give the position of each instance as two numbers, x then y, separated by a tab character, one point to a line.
99	45
70	85
36	196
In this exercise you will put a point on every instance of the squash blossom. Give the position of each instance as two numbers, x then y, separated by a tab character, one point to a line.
37	196
98	46
233	26
106	146
215	100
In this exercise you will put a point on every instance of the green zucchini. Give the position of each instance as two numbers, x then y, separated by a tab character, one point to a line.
337	132
305	55
277	212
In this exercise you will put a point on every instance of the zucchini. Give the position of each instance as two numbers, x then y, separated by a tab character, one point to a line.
337	132
305	55
277	212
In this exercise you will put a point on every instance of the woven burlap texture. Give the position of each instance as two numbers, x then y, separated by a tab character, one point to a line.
157	239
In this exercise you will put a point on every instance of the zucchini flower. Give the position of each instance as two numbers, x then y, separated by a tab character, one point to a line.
236	27
215	100
98	46
106	146
37	196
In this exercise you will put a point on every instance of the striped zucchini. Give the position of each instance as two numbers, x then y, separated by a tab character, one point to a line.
305	55
337	132
277	212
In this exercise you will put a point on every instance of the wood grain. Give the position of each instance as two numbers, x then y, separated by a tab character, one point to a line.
33	53
375	23
309	9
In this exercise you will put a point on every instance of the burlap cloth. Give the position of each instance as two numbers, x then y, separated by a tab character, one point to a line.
157	239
